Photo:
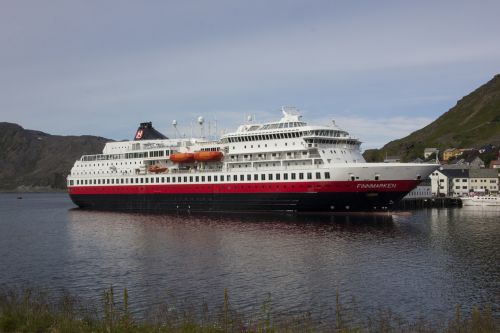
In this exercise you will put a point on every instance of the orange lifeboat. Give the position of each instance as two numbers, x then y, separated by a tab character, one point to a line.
208	156
157	169
182	157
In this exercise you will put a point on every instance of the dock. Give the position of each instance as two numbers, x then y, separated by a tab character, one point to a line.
417	203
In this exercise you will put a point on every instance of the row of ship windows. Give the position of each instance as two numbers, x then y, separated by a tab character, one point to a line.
191	179
286	135
142	154
280	125
106	164
102	172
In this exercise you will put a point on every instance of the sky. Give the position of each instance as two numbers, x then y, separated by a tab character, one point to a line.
380	69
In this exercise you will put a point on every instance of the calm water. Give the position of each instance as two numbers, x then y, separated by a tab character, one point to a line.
418	264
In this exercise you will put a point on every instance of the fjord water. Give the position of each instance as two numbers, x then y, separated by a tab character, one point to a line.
418	264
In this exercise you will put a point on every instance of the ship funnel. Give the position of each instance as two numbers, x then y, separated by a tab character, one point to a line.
146	131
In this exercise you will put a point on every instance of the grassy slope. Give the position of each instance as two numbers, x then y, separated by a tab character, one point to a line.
472	123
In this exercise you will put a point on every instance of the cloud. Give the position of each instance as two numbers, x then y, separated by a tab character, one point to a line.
102	68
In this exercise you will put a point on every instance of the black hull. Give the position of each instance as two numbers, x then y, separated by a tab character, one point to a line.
252	202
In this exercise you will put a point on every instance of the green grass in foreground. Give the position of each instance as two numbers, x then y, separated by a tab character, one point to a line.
34	311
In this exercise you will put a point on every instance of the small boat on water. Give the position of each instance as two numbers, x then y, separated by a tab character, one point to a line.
481	201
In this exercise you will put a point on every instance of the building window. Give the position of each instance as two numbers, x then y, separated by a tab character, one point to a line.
327	175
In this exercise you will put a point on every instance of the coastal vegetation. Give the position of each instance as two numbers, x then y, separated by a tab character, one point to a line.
28	310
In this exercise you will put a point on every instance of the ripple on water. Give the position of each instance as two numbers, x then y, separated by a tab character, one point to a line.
418	264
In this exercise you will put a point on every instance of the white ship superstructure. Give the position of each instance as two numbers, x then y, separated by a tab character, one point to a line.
286	165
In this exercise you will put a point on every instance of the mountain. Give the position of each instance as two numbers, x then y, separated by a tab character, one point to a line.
472	123
33	160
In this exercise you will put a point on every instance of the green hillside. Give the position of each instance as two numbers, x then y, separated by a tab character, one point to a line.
33	159
473	122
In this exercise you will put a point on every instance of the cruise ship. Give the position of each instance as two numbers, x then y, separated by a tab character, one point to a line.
286	165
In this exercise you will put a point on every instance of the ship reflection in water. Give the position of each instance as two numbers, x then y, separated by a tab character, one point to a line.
418	264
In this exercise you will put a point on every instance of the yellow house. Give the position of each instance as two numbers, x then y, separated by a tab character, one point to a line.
450	153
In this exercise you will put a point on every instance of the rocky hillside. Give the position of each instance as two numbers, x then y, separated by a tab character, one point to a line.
473	122
31	160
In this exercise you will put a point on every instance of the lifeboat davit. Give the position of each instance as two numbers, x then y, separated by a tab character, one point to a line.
182	157
157	169
208	156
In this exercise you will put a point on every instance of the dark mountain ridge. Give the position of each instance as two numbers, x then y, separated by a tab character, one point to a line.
31	160
472	123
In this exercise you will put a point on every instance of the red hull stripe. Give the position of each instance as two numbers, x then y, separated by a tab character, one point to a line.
264	187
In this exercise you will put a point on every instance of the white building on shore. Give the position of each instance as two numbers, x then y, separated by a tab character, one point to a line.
462	182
